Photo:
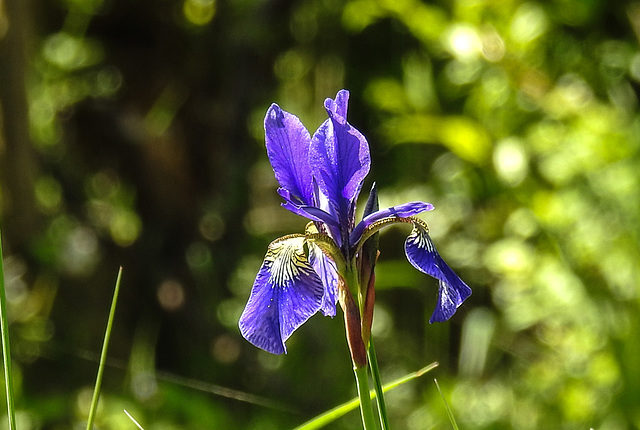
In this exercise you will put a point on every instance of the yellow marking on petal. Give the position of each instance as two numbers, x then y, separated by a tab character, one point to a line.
420	237
287	260
311	228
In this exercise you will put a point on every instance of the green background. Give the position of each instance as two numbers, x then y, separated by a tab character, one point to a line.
131	135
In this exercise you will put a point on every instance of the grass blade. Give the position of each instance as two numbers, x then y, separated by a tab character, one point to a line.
335	413
446	405
133	419
103	354
6	349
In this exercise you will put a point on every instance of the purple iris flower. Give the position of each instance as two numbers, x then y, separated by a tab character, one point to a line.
320	178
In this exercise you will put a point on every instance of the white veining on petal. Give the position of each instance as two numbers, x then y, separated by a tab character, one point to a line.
287	261
420	238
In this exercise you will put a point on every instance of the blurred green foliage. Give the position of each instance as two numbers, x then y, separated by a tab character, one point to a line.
132	135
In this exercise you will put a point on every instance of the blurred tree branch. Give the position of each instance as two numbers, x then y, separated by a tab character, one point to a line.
17	155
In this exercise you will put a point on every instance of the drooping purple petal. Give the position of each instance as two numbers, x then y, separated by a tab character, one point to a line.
403	211
288	143
286	293
423	255
326	270
340	161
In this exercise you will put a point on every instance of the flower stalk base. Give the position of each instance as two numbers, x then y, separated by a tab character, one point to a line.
366	406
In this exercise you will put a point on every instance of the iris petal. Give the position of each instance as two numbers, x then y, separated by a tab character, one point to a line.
333	227
423	255
403	211
311	212
340	104
326	269
286	293
340	161
288	143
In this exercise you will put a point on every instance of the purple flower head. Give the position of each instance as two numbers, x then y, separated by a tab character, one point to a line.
320	178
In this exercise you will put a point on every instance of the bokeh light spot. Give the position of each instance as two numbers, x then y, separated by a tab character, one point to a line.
125	227
510	256
171	295
225	349
70	53
199	12
211	226
144	385
464	42
198	255
48	194
80	252
293	65
529	22
510	161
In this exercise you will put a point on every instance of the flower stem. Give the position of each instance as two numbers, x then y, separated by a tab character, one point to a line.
6	350
352	281
366	407
377	383
353	320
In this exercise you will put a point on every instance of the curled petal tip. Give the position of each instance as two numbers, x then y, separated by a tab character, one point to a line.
342	102
338	106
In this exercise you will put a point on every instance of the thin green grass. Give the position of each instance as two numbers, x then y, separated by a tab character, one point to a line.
134	420
446	405
6	349
103	354
335	413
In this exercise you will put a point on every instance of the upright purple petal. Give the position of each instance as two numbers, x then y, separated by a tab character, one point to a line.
403	211
340	161
422	254
288	143
286	293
